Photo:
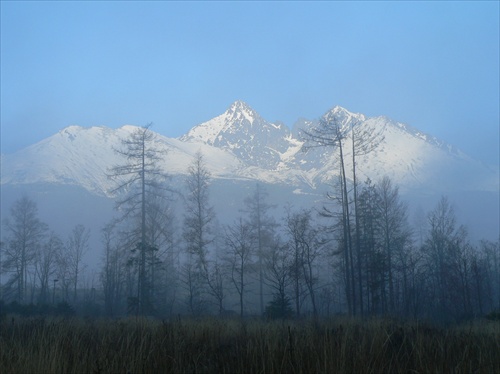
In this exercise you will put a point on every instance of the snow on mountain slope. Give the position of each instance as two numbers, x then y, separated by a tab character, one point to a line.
68	157
412	159
241	145
420	161
83	156
241	130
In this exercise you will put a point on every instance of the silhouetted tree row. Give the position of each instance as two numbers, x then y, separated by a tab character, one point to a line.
34	260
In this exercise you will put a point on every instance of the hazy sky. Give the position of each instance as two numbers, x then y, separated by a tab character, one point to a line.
432	65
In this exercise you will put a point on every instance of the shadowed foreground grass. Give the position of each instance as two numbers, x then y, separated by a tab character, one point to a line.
231	346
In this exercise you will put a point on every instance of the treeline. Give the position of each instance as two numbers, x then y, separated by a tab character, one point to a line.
359	255
34	259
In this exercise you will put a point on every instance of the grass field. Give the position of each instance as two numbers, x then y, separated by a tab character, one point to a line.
233	346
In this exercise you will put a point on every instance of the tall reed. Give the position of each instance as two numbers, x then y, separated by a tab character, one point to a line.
232	346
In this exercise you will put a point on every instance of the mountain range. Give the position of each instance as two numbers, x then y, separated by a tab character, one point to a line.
240	144
241	148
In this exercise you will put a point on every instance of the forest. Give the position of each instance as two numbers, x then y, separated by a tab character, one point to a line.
357	256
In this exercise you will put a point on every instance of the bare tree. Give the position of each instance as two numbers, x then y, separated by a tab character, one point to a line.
491	263
305	245
278	277
442	250
295	231
191	281
160	233
216	282
331	133
113	273
368	216
239	255
198	227
199	214
364	140
46	264
140	177
25	233
334	131
64	273
393	225
263	227
76	248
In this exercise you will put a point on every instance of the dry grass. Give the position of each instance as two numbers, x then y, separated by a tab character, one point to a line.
231	346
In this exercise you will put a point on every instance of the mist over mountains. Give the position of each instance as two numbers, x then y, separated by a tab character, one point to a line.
67	173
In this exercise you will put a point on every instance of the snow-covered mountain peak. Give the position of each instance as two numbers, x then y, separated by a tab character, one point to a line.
343	116
238	118
242	131
240	110
73	131
339	109
80	136
70	129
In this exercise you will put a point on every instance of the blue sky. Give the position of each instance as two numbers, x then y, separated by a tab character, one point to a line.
432	65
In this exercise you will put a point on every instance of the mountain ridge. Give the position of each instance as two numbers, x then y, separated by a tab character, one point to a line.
240	144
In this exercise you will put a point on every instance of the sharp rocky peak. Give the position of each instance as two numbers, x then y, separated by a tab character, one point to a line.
239	110
239	105
341	112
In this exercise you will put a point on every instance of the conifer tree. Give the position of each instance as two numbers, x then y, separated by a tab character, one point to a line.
139	178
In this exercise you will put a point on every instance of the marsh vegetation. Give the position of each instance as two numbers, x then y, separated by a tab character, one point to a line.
339	345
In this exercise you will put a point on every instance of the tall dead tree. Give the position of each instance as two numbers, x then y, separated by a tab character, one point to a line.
198	228
46	257
331	133
278	263
160	235
239	252
364	140
393	225
305	247
139	177
442	250
334	132
76	248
